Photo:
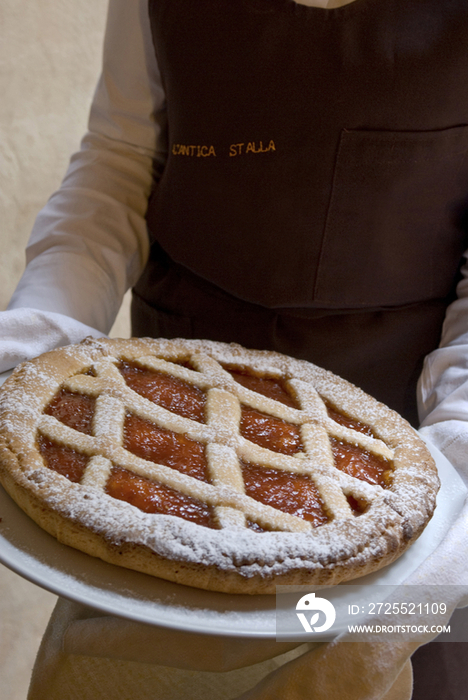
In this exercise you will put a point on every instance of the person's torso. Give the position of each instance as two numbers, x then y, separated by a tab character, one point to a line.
316	158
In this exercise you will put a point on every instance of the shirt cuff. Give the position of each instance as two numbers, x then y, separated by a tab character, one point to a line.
26	333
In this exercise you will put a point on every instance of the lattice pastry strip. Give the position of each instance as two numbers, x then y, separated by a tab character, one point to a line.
95	371
97	473
225	470
318	450
114	398
223	412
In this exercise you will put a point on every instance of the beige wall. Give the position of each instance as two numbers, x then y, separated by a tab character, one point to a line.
50	52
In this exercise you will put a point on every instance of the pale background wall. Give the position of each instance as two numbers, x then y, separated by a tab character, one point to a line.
49	63
50	53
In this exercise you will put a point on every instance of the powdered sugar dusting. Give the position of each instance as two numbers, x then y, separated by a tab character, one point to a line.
394	515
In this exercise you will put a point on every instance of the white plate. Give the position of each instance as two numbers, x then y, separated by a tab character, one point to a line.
31	552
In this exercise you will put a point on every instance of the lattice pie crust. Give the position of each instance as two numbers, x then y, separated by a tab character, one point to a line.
248	545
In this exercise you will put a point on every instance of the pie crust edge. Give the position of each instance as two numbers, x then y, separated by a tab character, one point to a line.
400	518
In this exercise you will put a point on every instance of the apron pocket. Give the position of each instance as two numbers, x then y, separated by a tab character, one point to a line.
391	234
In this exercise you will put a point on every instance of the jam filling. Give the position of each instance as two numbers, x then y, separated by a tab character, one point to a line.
346	421
358	505
157	498
169	392
355	461
270	432
73	409
146	440
272	388
295	494
63	460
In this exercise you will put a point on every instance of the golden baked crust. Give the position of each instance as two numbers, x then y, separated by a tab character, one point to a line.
284	548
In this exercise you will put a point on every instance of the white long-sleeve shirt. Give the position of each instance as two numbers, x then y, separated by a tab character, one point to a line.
90	241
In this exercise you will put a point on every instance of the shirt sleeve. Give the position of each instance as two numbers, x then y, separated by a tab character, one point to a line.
443	385
89	244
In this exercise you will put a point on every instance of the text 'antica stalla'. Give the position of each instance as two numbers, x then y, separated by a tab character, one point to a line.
234	149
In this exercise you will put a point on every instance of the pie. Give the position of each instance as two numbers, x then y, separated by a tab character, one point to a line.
211	465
